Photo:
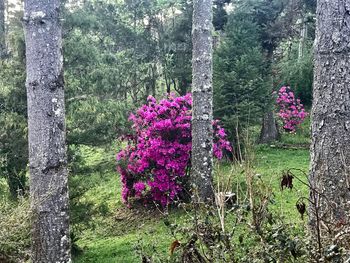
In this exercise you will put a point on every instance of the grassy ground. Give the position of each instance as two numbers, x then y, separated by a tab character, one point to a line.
113	230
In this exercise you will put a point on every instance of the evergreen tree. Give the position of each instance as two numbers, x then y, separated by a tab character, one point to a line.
13	110
297	72
240	86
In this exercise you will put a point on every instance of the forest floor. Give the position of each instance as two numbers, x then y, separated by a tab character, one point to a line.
107	231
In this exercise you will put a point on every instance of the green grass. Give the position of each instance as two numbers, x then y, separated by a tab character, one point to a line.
116	229
270	163
107	231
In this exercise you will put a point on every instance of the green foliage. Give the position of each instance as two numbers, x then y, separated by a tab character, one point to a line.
266	15
219	14
110	67
175	46
297	72
14	231
109	48
13	151
93	121
13	114
240	87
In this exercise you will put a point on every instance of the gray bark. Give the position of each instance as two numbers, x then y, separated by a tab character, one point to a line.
202	92
2	29
330	148
269	131
46	128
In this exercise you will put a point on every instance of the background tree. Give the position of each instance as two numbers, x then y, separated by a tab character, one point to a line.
13	109
240	83
294	65
273	27
330	154
296	72
220	14
202	92
175	44
46	125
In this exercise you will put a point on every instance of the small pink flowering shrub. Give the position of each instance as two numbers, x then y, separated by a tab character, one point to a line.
155	163
291	111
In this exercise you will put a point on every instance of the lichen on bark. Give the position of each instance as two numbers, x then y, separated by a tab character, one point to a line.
46	132
330	147
202	92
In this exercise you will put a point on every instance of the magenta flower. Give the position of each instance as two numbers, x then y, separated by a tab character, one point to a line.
291	111
154	166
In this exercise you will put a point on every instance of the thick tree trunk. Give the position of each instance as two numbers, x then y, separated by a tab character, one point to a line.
46	128
2	29
269	131
202	92
330	148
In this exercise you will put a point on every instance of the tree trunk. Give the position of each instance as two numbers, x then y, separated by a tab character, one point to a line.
330	148
202	92
154	81
182	87
46	132
303	36
269	131
168	85
2	29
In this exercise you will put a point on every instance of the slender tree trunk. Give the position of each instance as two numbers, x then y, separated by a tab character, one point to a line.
2	29
330	148
154	82
183	85
303	36
168	85
46	128
202	92
174	84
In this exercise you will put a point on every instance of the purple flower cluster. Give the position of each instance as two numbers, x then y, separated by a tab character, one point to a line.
155	163
291	111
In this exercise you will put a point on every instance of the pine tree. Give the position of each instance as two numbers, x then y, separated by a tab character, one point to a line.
239	83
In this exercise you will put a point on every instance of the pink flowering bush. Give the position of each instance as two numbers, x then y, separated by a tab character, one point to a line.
155	163
291	111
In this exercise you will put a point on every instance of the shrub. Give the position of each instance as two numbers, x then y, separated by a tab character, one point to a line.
155	163
291	111
14	230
